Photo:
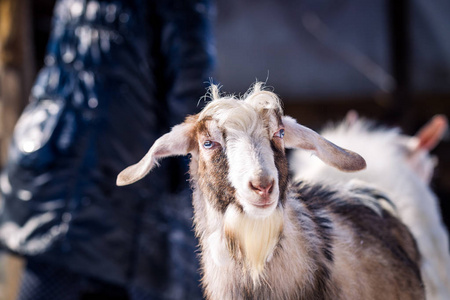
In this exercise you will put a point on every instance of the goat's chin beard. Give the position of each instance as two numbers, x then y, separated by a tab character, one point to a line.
252	240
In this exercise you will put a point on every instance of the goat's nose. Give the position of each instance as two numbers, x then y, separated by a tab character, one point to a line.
262	186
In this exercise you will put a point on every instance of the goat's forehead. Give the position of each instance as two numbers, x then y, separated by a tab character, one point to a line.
238	116
240	125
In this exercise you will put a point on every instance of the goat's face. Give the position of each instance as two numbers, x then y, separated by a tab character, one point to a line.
237	148
241	158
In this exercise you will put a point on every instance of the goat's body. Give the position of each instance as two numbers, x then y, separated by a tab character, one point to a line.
318	255
390	172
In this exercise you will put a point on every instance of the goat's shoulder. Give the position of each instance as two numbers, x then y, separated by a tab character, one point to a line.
351	200
363	210
358	232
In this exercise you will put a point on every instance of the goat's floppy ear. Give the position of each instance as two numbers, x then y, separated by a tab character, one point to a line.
177	142
298	136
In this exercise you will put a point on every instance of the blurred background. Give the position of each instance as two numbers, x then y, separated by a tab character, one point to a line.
387	59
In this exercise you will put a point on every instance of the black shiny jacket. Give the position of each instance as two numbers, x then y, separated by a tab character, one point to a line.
117	75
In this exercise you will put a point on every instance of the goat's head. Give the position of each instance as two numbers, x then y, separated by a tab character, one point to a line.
238	151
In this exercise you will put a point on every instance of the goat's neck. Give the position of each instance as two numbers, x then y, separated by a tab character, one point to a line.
285	260
234	238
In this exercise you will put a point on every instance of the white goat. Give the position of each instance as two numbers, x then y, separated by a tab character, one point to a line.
262	238
401	168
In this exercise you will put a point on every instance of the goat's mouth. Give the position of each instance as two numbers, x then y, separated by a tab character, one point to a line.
259	206
263	202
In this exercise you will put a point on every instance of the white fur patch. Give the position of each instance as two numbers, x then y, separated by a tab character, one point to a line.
249	159
219	253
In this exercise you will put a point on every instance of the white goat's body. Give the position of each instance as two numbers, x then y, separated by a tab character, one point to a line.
401	178
261	238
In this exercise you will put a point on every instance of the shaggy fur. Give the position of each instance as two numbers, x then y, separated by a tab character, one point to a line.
262	238
400	173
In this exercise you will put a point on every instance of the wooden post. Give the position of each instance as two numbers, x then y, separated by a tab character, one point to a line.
16	65
16	75
400	53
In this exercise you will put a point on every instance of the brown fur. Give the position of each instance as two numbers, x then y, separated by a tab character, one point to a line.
213	181
283	170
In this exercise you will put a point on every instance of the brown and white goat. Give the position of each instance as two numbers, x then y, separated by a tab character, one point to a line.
264	238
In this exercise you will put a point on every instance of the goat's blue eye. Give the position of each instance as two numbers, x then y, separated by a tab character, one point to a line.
208	144
279	133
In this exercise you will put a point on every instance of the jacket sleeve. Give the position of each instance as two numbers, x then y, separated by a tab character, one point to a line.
187	50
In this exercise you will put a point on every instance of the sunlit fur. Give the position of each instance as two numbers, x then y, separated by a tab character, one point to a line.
403	178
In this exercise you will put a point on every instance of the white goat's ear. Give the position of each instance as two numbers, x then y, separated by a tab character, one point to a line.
177	142
351	117
431	133
298	136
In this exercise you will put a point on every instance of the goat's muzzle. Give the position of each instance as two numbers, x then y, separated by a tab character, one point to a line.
263	187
